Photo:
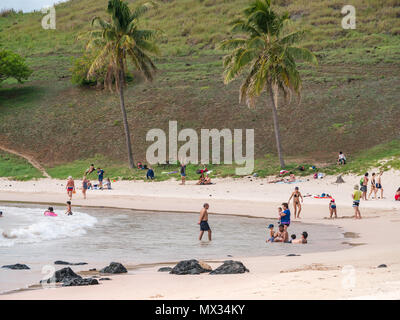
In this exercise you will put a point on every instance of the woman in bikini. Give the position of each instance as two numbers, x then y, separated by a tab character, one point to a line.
296	195
373	186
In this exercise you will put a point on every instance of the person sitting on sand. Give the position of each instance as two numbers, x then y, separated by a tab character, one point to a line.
90	170
285	216
107	185
292	177
271	233
84	186
341	159
203	222
296	195
282	235
207	180
356	202
302	240
332	209
397	195
69	209
70	187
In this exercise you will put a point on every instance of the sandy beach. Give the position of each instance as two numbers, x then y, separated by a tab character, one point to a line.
346	274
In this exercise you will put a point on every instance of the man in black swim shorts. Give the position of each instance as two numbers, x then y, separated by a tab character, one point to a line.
203	222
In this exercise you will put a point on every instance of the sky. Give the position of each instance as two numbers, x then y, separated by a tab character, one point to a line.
26	5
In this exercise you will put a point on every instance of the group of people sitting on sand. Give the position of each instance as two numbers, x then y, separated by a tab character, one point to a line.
204	178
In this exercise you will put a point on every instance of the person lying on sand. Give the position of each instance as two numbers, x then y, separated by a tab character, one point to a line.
302	240
397	195
332	209
69	209
271	233
292	177
90	170
203	222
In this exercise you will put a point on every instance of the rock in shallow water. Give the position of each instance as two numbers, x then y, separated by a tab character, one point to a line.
230	267
114	267
17	266
69	263
189	267
165	269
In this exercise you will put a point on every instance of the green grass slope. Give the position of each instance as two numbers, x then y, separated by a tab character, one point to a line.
350	102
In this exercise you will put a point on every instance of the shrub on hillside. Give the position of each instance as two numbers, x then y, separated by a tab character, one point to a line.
80	70
13	65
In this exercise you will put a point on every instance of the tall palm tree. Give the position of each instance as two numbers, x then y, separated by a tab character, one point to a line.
117	41
269	55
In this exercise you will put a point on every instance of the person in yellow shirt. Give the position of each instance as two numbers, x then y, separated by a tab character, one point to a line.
356	201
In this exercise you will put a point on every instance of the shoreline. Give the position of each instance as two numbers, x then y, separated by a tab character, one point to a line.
270	277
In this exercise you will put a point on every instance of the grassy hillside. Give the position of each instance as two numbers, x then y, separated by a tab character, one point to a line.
350	102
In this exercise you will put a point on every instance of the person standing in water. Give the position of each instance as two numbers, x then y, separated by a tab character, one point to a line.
84	186
69	209
203	222
70	187
356	202
296	195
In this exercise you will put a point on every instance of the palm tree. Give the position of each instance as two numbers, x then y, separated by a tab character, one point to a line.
269	54
116	41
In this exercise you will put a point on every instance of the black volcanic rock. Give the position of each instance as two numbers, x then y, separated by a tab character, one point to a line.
60	262
79	282
230	267
165	269
63	275
17	266
188	267
114	267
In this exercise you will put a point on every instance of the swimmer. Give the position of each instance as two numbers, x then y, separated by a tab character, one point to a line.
302	240
69	209
292	237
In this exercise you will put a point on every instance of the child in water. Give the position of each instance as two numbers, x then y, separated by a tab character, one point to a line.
271	233
69	209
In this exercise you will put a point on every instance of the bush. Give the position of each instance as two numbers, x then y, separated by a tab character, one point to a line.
13	65
80	69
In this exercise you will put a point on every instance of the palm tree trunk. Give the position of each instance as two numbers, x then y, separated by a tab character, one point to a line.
273	90
125	120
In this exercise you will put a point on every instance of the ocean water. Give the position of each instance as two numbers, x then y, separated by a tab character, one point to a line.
99	236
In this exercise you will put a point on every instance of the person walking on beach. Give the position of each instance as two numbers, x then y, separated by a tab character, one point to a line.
70	187
373	186
356	202
379	184
84	186
296	195
100	173
183	173
364	187
203	222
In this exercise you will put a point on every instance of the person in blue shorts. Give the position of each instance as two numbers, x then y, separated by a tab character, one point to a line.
271	233
285	215
183	173
100	173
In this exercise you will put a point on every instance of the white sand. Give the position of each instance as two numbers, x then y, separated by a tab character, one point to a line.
309	276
